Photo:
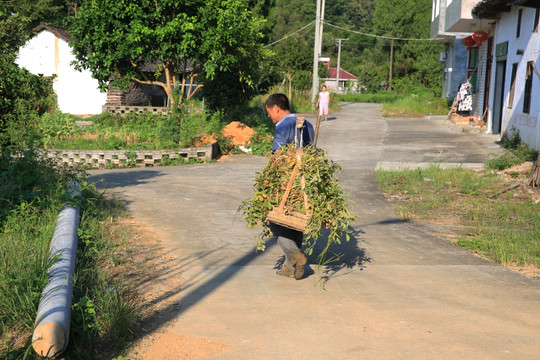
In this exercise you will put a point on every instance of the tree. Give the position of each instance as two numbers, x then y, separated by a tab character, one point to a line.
23	96
415	62
35	12
167	43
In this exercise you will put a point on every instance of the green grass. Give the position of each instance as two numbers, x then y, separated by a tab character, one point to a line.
414	105
417	102
517	152
505	229
33	193
383	97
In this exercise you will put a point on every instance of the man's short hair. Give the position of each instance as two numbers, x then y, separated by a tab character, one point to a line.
278	99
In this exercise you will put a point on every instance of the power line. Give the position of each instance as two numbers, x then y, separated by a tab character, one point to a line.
375	36
289	35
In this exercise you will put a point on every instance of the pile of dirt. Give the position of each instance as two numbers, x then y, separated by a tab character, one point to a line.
238	133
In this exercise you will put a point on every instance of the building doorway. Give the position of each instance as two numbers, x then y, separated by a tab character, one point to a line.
498	96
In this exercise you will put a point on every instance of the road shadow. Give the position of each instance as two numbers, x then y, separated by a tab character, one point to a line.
346	255
123	178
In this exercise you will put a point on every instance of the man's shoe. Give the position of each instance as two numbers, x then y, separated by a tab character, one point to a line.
298	265
286	271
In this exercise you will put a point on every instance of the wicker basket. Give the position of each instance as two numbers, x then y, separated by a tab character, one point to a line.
291	219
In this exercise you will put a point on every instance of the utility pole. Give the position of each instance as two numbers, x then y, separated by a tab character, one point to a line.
338	63
321	27
316	54
391	64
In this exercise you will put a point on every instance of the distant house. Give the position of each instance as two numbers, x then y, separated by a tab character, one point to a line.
48	53
346	82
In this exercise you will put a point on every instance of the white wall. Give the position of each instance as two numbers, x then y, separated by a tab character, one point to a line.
48	54
527	124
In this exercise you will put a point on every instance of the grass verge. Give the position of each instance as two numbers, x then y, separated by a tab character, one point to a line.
504	228
416	102
103	314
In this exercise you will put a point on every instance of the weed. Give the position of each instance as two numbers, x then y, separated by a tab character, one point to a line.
504	229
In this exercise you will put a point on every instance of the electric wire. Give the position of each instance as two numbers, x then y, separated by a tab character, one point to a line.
372	35
289	35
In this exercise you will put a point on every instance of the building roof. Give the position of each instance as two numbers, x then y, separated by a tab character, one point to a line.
64	34
343	74
489	9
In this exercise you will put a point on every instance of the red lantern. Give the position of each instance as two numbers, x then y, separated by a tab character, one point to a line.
468	42
479	36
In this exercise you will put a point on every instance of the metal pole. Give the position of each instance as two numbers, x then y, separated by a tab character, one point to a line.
315	83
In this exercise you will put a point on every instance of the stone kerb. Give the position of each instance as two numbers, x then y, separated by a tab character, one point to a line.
129	158
121	109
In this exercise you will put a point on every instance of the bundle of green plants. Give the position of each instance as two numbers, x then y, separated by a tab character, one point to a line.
327	203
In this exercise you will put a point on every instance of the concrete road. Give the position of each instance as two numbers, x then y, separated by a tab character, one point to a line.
398	293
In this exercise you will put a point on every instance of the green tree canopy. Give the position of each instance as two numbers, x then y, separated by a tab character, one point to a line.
53	12
22	95
167	42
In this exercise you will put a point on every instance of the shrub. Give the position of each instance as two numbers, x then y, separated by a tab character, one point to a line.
56	125
518	152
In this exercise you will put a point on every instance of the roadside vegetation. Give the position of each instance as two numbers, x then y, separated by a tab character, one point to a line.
32	193
494	214
413	102
518	152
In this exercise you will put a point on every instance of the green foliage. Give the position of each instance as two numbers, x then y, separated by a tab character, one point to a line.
25	178
518	152
501	162
56	125
131	131
414	105
220	38
416	102
23	96
26	230
33	193
327	202
415	62
52	12
382	97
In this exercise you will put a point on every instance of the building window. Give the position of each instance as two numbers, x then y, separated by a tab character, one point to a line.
536	18
518	30
472	69
528	88
512	86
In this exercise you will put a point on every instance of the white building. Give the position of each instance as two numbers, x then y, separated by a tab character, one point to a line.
501	68
451	22
48	53
514	91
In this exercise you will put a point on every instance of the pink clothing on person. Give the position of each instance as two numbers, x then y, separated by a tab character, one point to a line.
324	100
